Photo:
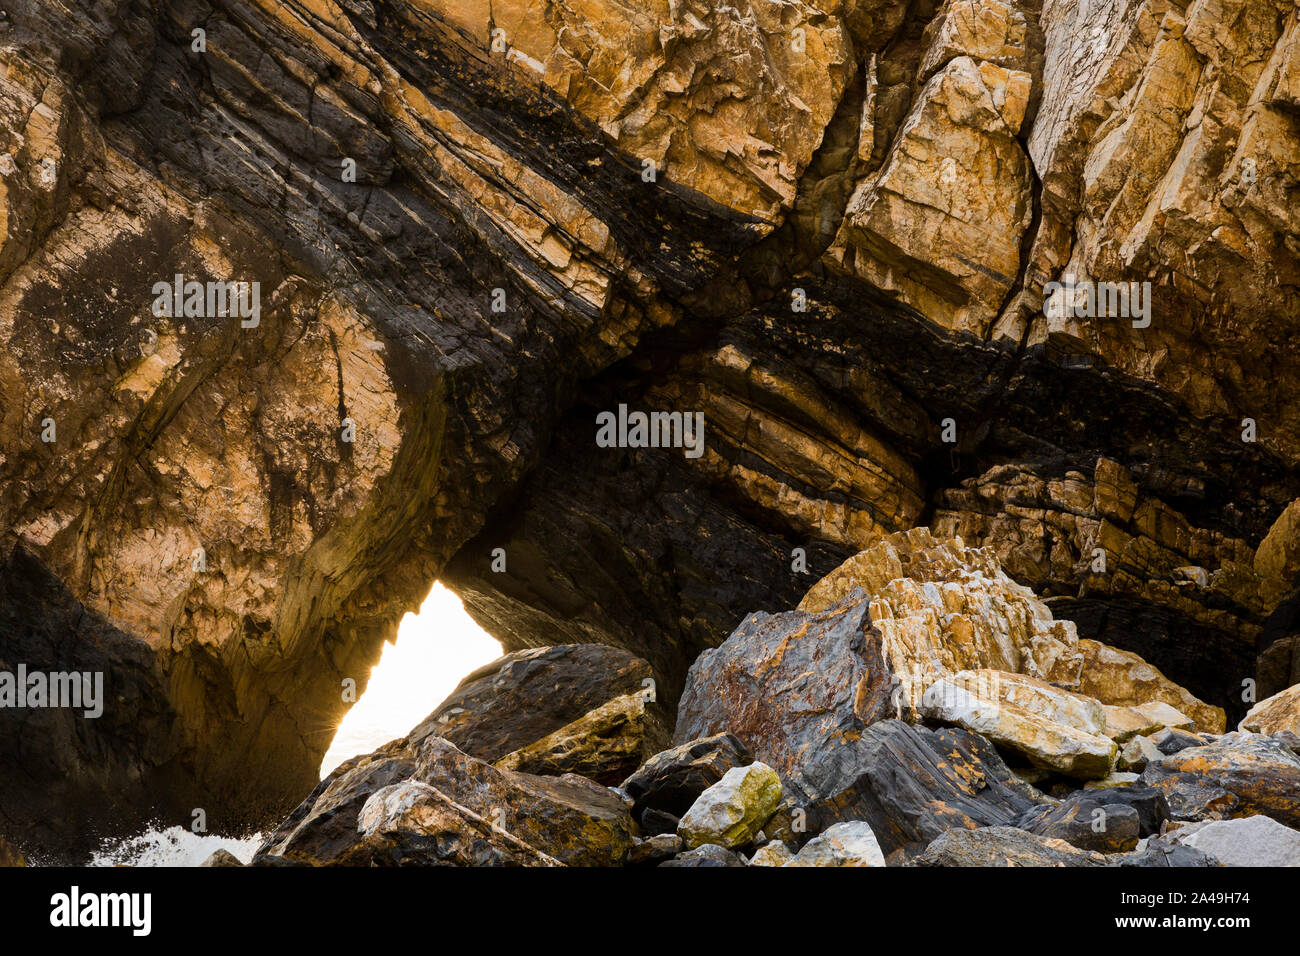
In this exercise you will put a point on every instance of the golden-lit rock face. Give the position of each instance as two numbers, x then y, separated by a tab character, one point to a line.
827	226
941	223
729	100
942	609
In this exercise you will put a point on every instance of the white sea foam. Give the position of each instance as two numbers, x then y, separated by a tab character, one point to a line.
174	846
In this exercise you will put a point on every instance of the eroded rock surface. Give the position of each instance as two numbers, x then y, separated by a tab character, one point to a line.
830	227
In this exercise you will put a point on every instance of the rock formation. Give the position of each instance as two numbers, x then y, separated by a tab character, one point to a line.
848	783
893	253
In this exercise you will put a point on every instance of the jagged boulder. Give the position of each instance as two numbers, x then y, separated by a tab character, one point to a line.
775	853
844	844
436	804
1250	841
1109	821
1055	729
1125	723
871	637
655	849
732	811
588	709
412	823
1234	776
708	855
1274	715
1003	846
1122	678
1163	852
911	784
670	781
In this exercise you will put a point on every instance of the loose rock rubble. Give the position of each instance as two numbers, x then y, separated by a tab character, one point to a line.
847	770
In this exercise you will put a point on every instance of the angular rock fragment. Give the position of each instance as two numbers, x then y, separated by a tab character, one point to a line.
732	811
655	849
1136	754
1249	841
844	844
1237	775
1055	729
911	784
571	818
1163	852
413	824
571	708
775	853
1122	678
600	745
437	804
1003	846
654	822
1125	722
671	781
1274	715
1108	821
1171	740
709	855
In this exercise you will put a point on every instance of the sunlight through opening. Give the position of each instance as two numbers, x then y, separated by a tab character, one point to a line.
435	650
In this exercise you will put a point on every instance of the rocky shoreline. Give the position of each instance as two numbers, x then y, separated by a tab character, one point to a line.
919	709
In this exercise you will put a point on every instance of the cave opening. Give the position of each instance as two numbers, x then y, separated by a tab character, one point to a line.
434	650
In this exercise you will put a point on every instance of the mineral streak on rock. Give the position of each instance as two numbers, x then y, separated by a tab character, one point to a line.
828	225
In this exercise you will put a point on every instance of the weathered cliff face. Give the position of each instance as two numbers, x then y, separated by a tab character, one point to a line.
829	227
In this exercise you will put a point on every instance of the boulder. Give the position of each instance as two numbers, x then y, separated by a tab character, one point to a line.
600	745
1162	852
844	844
1136	754
654	822
1277	714
789	685
1236	775
1106	828
222	858
571	818
1126	722
732	811
437	804
775	853
911	784
710	854
413	824
672	780
655	849
1003	846
1119	778
873	635
1249	841
1109	821
323	828
571	708
1122	678
1171	740
1055	729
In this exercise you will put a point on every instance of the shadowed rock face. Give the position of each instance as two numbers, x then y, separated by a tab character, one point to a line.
840	260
